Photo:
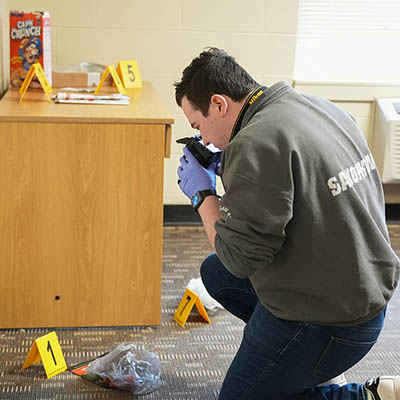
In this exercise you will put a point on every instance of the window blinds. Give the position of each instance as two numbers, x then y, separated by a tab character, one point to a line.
348	41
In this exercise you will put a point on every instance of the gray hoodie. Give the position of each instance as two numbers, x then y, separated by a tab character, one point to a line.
303	211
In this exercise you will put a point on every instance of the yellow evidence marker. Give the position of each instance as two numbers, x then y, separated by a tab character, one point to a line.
189	299
35	69
114	74
129	74
47	348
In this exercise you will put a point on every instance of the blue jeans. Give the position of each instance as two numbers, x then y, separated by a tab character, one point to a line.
280	359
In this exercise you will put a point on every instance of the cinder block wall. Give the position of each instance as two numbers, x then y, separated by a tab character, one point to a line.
164	36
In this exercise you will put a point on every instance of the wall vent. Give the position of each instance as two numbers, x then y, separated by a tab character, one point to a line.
386	139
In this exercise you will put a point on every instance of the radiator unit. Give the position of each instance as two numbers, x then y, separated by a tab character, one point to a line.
386	139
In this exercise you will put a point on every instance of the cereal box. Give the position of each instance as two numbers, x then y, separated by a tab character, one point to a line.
30	42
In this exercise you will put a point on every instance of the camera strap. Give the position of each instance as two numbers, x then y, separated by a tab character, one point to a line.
254	96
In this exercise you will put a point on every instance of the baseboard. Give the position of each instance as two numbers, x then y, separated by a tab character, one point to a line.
392	213
180	215
185	215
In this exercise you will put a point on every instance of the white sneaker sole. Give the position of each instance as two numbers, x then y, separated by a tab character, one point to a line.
389	387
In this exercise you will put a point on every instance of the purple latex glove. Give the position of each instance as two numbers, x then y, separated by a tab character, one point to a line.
193	177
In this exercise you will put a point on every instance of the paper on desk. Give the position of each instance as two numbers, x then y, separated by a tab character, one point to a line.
80	98
71	89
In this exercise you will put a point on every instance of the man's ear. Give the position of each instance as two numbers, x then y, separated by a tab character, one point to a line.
220	103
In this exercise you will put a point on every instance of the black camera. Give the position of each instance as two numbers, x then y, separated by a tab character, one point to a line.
202	154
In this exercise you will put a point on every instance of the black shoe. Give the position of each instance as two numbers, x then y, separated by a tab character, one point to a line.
383	388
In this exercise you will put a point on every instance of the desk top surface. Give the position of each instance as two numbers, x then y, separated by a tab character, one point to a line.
145	108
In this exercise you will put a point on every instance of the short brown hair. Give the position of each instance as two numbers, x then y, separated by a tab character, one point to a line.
213	72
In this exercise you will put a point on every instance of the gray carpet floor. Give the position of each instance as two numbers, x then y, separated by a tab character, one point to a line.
194	358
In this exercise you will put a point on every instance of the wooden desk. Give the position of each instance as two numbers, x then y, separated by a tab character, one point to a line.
81	211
